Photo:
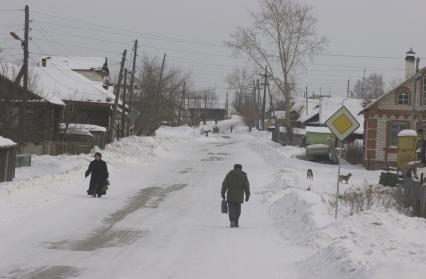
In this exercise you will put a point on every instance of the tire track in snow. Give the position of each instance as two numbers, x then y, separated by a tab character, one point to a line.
107	236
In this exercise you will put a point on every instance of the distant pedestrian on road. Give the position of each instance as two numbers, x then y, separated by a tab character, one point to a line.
235	185
232	127
99	179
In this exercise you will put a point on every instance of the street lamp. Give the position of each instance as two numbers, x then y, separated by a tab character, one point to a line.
16	37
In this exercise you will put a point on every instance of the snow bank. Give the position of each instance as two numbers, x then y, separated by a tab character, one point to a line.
300	214
374	244
370	245
47	171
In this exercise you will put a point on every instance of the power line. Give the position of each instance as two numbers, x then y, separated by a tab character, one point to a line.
10	10
75	45
127	32
156	36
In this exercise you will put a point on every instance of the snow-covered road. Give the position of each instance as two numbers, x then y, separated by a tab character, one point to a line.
161	217
160	220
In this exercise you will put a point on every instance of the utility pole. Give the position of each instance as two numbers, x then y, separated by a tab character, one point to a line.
306	100
117	95
347	92
271	105
23	73
123	110
26	47
132	84
265	84
181	103
258	105
226	103
160	80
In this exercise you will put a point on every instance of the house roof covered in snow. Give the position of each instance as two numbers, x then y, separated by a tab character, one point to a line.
67	85
9	73
90	127
76	130
6	143
306	115
319	130
296	131
77	63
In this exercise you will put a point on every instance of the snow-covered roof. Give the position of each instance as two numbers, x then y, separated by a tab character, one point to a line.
77	130
407	133
67	85
89	127
76	63
296	131
320	130
305	107
329	105
306	116
5	143
10	72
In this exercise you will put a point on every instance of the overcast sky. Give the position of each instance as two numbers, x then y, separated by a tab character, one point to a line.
191	32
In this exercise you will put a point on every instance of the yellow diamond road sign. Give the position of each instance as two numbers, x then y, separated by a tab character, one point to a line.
342	123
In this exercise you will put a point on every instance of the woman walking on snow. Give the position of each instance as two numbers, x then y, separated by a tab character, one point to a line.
99	179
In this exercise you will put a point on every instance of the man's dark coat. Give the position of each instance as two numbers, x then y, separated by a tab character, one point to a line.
235	185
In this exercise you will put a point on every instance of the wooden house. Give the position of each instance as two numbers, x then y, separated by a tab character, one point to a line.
41	118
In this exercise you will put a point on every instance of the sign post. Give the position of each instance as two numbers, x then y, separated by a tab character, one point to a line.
342	123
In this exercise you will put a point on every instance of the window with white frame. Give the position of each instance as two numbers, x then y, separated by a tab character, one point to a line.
403	97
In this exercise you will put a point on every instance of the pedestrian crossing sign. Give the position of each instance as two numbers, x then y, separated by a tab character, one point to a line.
342	123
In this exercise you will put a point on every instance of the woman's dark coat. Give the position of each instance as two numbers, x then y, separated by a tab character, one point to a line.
99	177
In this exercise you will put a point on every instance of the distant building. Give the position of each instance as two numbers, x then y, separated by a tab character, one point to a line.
208	114
93	68
400	108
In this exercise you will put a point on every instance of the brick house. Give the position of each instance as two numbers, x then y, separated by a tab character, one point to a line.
403	107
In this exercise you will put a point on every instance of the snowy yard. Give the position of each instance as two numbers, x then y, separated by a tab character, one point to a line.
161	217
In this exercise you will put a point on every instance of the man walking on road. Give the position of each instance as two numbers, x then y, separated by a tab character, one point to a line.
235	185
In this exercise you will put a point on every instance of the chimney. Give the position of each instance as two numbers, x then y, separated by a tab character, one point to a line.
410	63
43	62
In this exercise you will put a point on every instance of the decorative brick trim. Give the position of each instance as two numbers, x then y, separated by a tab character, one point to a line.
372	134
371	154
371	123
371	144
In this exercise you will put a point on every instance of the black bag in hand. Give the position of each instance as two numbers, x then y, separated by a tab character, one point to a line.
224	207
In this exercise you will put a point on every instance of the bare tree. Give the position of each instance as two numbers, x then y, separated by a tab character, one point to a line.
158	101
241	82
282	33
371	88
